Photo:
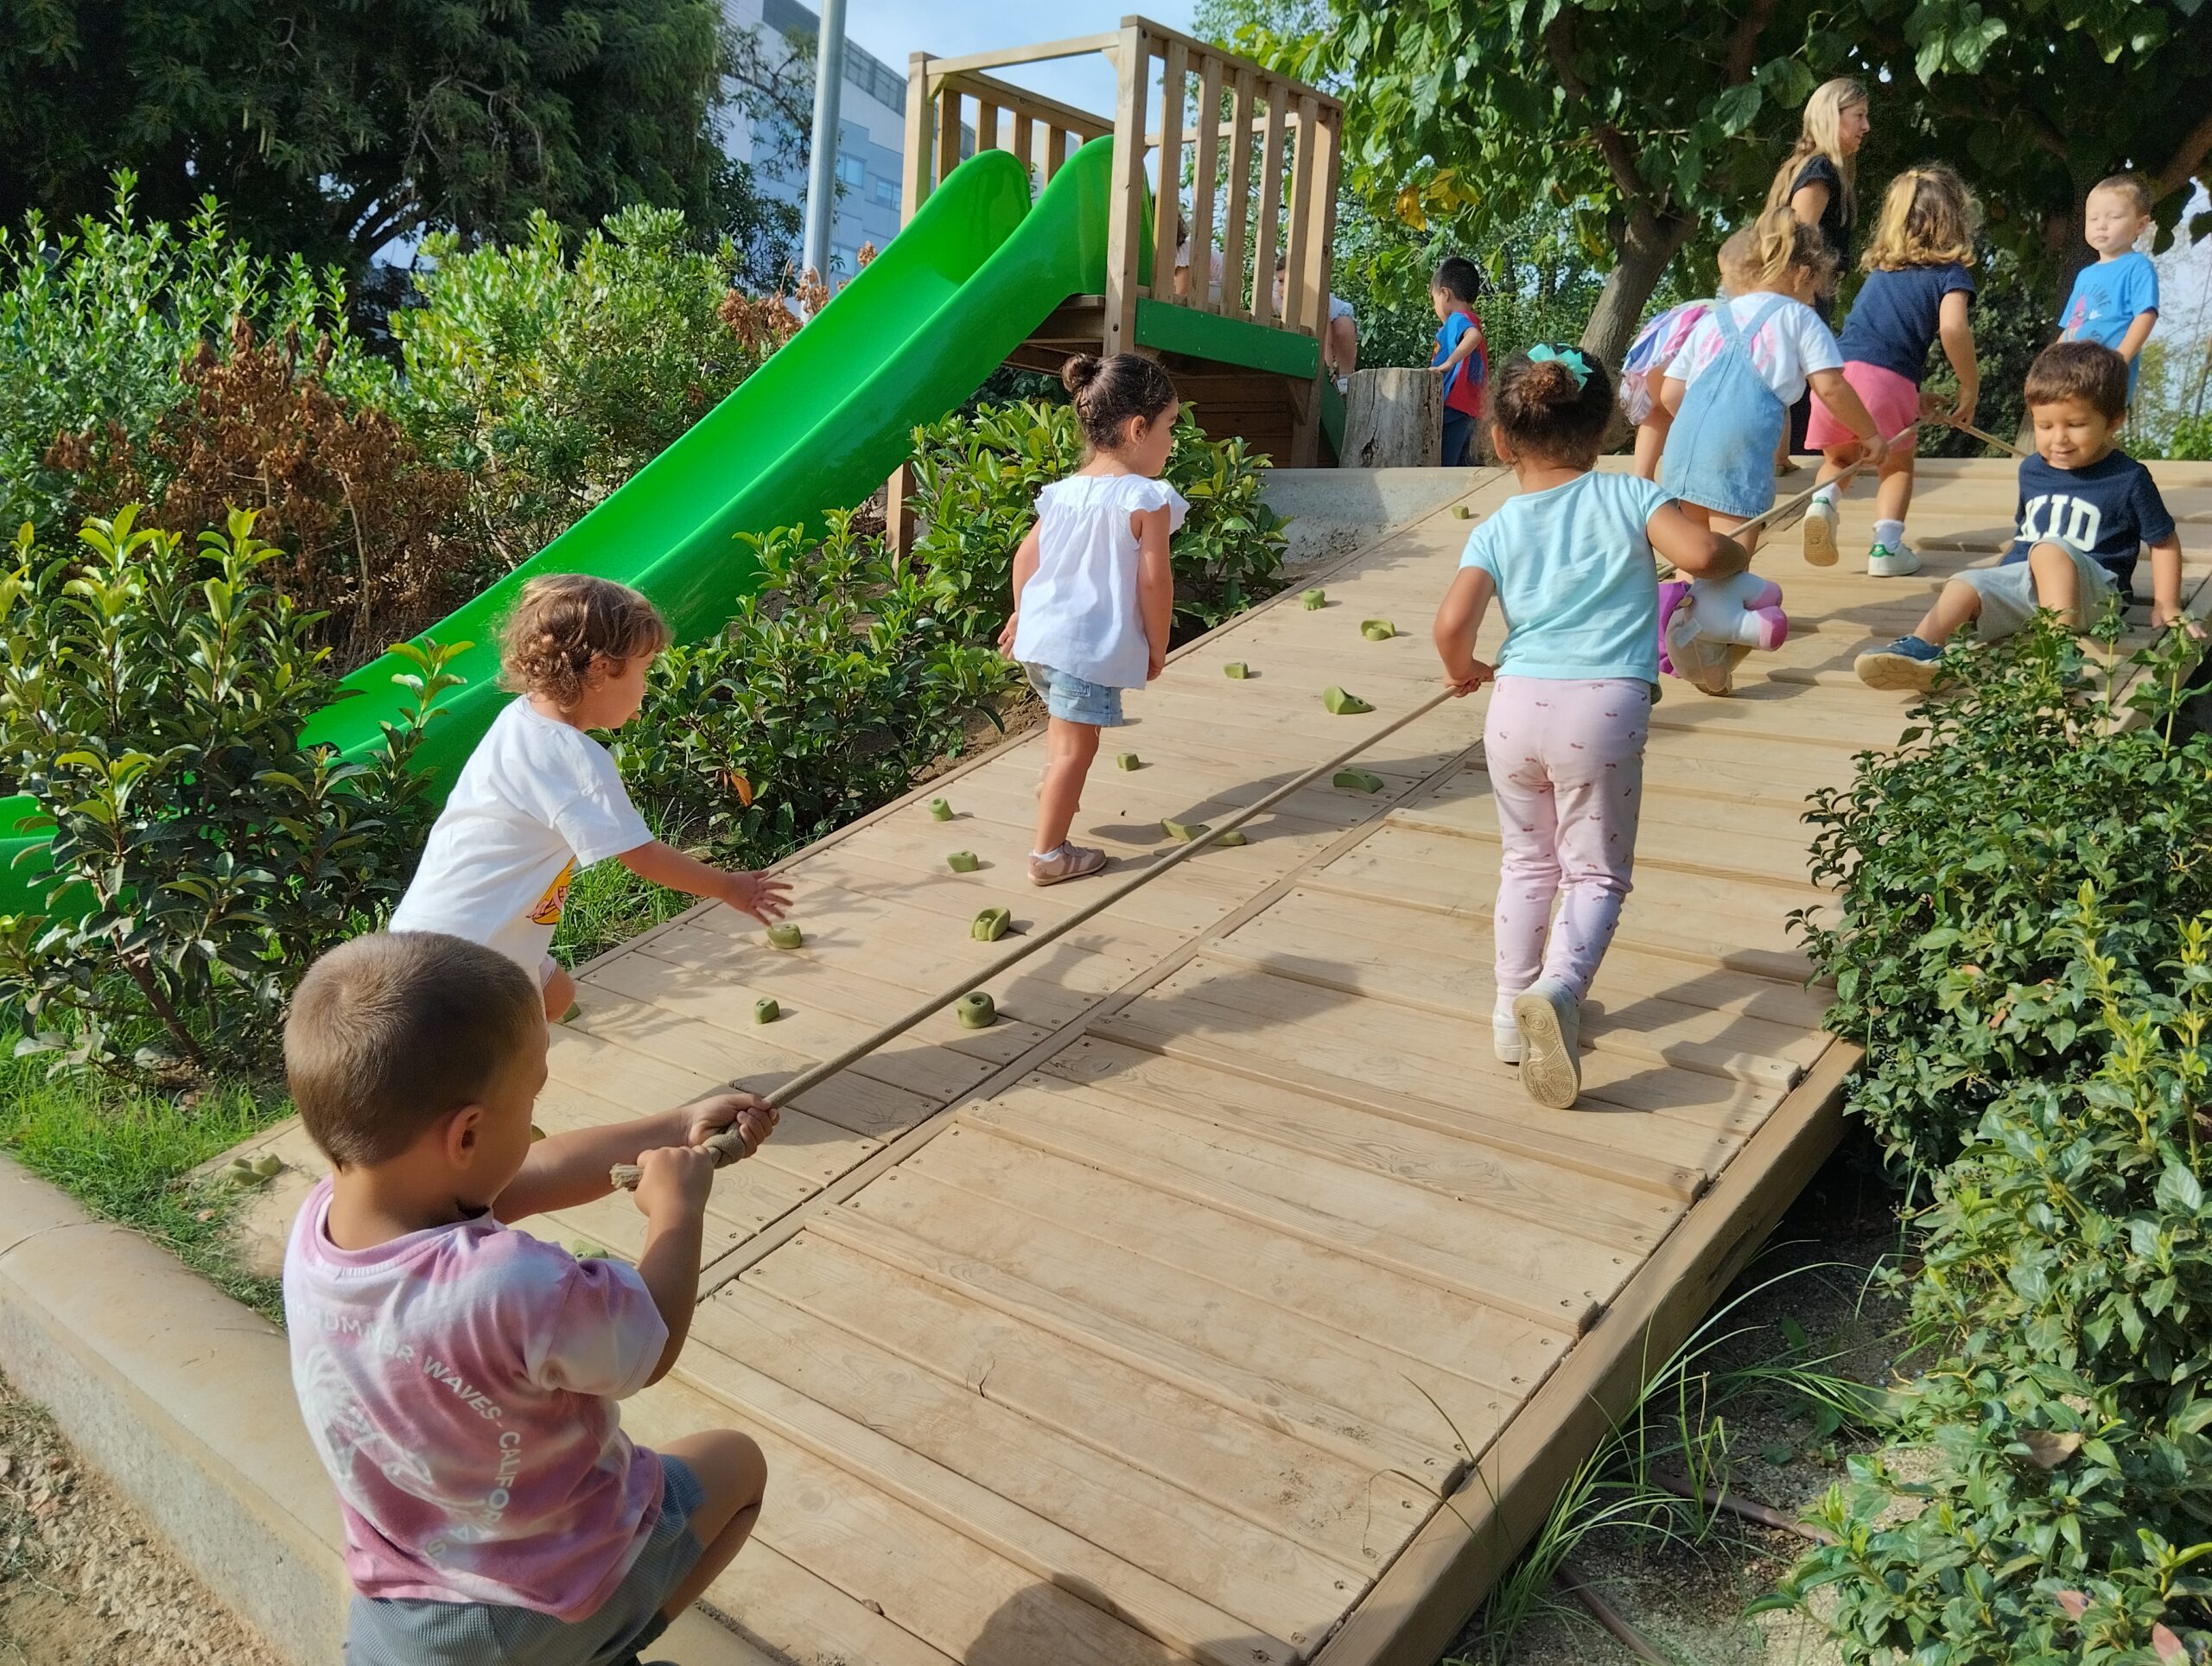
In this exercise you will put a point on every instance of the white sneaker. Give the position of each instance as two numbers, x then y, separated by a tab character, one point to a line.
1549	1018
1505	1040
1819	526
1882	561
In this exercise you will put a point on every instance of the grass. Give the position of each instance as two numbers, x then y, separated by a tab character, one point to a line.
608	904
124	1153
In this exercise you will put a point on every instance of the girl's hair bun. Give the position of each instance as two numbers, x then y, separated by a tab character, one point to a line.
1080	372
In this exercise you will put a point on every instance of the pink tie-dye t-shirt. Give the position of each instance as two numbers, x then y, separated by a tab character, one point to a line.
460	1383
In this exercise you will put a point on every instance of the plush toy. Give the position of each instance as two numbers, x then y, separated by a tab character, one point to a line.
1708	626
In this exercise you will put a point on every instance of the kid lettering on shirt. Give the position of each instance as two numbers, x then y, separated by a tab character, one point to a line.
2114	299
539	800
457	1377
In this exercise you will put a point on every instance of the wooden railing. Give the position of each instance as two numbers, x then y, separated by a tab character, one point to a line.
1247	163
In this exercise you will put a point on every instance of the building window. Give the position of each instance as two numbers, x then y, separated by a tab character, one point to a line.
844	257
887	193
852	171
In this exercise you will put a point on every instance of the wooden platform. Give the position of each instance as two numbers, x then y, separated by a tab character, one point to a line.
1154	1323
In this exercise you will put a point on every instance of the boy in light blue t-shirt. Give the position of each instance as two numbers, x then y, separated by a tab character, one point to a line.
2115	301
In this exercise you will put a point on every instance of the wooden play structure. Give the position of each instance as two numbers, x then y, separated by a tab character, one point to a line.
1246	161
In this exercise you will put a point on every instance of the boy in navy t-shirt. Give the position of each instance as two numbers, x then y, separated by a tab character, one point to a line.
1462	356
2086	510
2115	299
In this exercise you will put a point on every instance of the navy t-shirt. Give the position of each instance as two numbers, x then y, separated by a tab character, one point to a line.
1898	313
1836	223
2109	510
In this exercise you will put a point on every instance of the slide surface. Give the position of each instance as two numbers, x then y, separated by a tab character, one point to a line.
823	422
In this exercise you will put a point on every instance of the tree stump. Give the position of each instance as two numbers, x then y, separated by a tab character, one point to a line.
1394	418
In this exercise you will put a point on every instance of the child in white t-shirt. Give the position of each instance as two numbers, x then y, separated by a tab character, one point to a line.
1093	595
1731	386
539	799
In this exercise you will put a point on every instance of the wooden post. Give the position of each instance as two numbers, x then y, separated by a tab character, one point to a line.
987	127
1201	173
1022	125
1125	223
1235	300
1298	306
1319	255
898	518
1167	200
1264	229
917	184
1056	151
948	133
1393	419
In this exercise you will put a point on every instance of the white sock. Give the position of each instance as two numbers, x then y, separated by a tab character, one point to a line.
1828	494
1889	534
1047	855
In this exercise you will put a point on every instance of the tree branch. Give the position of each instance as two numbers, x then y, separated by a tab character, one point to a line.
1612	144
1743	46
2188	156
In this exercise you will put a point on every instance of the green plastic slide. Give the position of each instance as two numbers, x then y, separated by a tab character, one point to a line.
820	425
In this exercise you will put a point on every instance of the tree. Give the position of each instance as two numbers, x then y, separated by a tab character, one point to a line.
1652	124
333	127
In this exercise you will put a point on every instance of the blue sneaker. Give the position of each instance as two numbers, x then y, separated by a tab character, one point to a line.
1907	663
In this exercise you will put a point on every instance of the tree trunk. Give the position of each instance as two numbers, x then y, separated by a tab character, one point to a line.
1393	419
1647	244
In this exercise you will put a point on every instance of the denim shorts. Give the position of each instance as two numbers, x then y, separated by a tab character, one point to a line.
407	1631
1074	699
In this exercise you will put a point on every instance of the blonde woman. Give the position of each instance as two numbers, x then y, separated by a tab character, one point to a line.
1817	182
1918	291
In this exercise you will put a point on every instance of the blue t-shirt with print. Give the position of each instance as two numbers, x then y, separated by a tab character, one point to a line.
1898	313
1463	383
2107	510
2107	297
1574	576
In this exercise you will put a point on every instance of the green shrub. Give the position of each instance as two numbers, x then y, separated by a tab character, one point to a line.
975	487
100	320
551	380
153	699
836	682
1956	856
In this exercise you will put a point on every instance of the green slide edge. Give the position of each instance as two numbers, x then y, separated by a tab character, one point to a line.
823	422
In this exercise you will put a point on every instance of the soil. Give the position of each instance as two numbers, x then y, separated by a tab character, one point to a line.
84	1580
1808	1302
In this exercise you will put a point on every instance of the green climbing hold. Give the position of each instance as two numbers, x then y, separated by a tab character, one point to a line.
535	1134
1358	780
241	1173
1314	600
1343	704
269	1167
585	1250
1128	761
1377	630
766	1011
1234	836
990	925
963	862
1236	671
1183	832
785	937
976	1010
940	810
1460	512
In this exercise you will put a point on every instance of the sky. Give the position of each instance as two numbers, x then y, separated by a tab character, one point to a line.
952	29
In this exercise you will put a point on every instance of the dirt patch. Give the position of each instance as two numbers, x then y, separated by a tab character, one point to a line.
84	1580
1806	1304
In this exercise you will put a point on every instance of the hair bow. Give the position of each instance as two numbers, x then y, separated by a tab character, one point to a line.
1577	365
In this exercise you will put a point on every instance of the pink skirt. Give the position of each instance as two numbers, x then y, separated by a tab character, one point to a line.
1893	401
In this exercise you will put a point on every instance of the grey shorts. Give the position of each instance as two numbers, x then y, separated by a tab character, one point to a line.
1075	699
2008	595
405	1631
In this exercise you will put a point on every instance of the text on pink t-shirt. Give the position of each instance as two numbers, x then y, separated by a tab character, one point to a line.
460	1384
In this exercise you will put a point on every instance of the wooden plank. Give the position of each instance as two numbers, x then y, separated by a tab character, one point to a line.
1419	1604
1298	306
1056	151
948	134
1081	47
1293	1377
987	125
1593	1158
1240	1274
1353	1513
1184	1569
1124	222
921	111
1024	126
1167	200
1542	1273
1237	218
1204	168
1265	228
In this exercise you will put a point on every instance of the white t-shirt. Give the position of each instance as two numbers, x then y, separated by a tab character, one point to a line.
537	800
1079	612
1790	345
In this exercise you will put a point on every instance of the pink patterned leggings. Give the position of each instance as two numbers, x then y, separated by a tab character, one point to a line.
1566	768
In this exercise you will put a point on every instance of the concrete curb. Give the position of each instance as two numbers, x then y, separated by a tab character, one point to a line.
183	1399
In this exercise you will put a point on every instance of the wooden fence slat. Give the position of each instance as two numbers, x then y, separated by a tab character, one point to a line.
1167	208
1055	151
948	135
1265	229
1234	298
1298	304
1124	225
1201	173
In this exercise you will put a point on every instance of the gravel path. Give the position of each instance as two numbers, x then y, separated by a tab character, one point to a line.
84	1581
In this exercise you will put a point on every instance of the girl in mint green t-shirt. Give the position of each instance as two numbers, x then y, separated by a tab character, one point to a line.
1569	563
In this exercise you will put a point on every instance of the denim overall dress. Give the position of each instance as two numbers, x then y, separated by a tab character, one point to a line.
1719	452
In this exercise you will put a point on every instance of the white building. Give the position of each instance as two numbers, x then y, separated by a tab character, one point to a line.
871	134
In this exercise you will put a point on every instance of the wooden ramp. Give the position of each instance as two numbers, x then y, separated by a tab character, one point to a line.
1153	1323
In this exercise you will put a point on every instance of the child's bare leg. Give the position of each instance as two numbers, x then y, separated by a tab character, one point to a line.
2058	585
1730	526
1651	441
560	995
1893	495
1957	603
1833	460
1071	747
734	1478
